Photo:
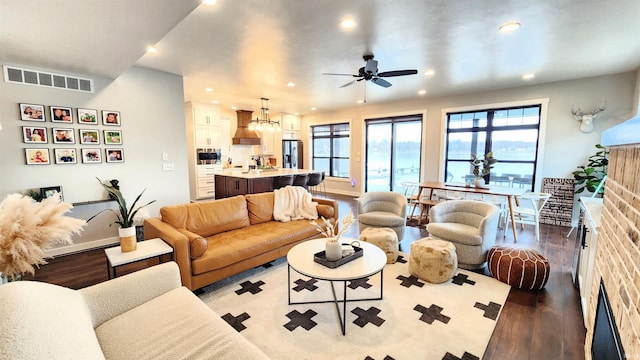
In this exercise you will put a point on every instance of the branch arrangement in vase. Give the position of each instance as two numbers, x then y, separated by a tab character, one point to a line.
329	231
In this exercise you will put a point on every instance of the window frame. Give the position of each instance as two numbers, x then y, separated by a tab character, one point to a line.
542	103
331	136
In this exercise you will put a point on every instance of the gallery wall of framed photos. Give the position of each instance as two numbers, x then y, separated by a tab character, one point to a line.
78	135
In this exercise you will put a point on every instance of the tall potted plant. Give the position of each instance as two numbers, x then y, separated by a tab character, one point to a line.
124	216
482	168
589	177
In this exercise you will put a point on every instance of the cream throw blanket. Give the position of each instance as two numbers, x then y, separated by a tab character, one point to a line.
293	203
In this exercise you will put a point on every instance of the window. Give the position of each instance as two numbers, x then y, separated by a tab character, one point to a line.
511	133
330	149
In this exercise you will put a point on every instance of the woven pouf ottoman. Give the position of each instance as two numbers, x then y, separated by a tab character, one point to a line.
522	268
433	260
384	238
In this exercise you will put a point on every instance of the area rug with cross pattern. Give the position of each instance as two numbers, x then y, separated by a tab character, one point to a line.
414	320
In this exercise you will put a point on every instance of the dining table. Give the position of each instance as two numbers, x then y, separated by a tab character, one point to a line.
511	193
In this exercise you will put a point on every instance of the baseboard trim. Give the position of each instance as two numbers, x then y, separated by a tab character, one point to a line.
70	249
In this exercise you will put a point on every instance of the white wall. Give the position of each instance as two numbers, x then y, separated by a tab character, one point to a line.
565	146
151	106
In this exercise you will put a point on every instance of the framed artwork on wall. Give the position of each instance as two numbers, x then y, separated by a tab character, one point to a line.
65	156
63	136
31	112
87	116
37	156
114	155
89	136
113	137
34	135
111	118
91	156
61	114
47	192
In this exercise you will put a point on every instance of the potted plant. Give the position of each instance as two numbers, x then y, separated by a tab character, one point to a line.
482	167
124	216
590	176
28	228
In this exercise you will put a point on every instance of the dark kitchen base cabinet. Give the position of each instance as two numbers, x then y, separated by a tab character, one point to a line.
228	186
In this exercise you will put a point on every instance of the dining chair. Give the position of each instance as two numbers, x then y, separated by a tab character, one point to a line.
410	191
530	215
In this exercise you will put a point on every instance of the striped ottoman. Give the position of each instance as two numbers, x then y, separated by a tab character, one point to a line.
522	268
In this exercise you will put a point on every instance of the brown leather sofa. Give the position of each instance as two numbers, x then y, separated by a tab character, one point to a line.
215	239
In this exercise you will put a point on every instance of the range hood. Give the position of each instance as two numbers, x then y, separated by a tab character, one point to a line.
243	135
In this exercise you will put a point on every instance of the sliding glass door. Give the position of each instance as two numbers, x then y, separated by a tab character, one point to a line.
393	152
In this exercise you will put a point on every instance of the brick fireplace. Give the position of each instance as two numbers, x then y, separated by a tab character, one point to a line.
617	260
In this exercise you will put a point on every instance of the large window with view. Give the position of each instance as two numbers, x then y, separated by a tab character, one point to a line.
510	133
330	149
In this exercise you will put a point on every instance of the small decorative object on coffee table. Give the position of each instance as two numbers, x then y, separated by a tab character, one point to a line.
333	249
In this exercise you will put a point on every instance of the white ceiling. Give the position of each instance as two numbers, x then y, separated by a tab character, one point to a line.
249	49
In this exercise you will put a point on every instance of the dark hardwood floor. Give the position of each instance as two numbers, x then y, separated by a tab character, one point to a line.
543	325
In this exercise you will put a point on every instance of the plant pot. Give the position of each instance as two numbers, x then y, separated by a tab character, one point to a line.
479	183
127	239
333	250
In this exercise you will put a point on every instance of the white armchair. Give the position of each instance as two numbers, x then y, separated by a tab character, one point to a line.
470	225
383	209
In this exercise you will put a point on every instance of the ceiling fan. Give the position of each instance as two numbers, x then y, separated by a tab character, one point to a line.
370	72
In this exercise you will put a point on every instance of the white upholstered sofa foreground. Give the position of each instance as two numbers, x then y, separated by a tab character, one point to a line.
143	315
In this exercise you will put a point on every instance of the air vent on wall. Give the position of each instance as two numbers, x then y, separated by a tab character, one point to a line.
14	74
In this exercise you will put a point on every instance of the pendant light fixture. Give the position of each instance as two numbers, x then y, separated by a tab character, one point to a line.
263	122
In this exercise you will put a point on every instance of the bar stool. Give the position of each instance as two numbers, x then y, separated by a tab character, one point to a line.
282	181
315	179
301	180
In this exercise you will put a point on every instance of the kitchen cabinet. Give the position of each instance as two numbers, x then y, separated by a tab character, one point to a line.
205	181
290	125
228	186
268	142
588	229
207	136
205	114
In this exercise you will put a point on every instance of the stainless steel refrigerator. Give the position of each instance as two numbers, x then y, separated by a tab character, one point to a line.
292	154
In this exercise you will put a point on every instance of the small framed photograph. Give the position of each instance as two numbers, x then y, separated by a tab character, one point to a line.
65	156
63	136
37	156
34	135
113	137
91	156
110	117
47	192
115	155
88	136
87	116
61	114
32	112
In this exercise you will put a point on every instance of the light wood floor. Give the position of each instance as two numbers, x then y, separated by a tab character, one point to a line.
545	325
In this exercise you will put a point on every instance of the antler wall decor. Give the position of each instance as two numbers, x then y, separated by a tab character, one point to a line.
586	119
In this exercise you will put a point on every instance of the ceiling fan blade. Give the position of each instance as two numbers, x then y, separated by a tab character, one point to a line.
340	74
349	83
381	82
397	73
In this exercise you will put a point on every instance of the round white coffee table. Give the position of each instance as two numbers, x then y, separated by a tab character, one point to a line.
301	260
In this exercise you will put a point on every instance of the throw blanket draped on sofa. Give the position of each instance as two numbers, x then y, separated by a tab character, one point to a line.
293	203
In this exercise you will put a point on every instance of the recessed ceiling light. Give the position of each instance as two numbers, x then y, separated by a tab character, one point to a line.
429	72
208	89
210	2
314	108
360	101
214	102
422	92
152	50
234	108
296	113
348	23
291	84
509	27
528	76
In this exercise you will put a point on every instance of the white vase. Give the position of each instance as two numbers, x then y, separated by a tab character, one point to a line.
333	250
127	239
479	183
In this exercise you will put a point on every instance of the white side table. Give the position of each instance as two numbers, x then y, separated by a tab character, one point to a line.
145	250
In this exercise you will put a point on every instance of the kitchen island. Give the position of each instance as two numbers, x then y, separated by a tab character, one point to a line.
232	182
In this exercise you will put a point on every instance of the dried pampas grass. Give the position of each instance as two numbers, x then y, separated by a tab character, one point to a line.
28	228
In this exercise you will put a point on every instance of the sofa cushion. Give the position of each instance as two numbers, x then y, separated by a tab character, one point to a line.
186	329
260	207
238	245
45	321
462	233
209	217
326	211
198	246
